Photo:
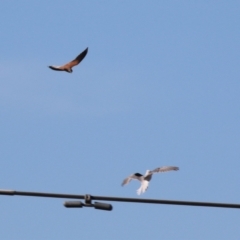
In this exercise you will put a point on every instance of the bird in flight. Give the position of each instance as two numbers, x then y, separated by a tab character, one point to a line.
147	177
68	67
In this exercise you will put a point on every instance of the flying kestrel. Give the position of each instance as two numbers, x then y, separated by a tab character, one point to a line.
68	67
147	177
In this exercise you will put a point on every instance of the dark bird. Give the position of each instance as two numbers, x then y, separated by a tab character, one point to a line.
68	67
147	177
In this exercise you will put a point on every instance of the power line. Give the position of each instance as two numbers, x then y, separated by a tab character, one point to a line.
88	200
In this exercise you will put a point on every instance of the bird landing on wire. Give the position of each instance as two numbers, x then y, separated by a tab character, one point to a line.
145	179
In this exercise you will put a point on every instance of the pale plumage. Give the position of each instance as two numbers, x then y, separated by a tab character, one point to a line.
68	67
147	177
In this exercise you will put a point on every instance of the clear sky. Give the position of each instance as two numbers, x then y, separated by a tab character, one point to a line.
160	86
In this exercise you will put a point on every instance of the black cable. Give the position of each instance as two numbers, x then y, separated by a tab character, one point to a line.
119	199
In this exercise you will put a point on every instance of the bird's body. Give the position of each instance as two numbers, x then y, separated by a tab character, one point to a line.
68	67
145	179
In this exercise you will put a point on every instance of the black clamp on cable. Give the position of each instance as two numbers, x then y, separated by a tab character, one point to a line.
88	203
88	200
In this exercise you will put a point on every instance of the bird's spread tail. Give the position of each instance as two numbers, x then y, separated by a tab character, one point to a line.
143	187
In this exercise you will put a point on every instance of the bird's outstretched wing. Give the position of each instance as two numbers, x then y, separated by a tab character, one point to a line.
136	176
164	169
71	64
57	68
77	60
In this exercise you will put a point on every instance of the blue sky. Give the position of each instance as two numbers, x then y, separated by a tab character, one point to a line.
159	86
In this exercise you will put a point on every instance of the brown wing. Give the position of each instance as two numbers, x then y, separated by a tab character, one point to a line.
77	60
165	169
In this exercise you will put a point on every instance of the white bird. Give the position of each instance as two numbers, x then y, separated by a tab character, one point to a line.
147	177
